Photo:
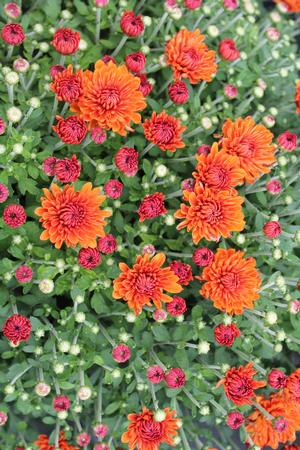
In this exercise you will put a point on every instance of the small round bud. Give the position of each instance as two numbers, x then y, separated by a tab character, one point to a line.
281	336
44	47
271	317
34	102
240	239
84	393
58	368
278	348
9	389
213	31
161	170
203	347
206	123
46	286
80	317
42	389
62	415
83	45
159	415
74	350
64	346
14	114
116	373
130	317
205	411
277	254
12	78
169	220
145	49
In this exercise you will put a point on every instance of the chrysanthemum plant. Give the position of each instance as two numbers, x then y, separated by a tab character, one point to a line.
149	193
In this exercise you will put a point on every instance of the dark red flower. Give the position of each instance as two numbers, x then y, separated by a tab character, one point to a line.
89	258
127	161
203	256
71	130
152	206
131	25
121	353
67	85
178	92
192	4
188	184
67	170
288	141
175	378
155	374
145	86
177	306
235	419
13	34
24	274
135	61
203	149
17	328
4	193
113	188
226	334
49	165
14	216
183	271
107	58
55	70
277	379
228	50
61	403
107	244
66	41
272	229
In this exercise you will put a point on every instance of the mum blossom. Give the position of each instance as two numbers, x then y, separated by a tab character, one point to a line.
226	334
277	379
232	282
131	24
67	85
288	141
203	256
262	431
145	282
145	433
183	271
67	170
111	98
13	34
292	387
17	328
145	85
190	57
239	384
218	170
43	443
175	378
228	50
127	161
71	130
152	206
155	374
164	131
72	217
66	41
251	143
210	214
177	306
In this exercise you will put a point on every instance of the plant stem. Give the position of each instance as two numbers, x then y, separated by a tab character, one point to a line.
120	46
53	114
98	23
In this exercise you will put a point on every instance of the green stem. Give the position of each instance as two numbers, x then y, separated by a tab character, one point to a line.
120	46
98	23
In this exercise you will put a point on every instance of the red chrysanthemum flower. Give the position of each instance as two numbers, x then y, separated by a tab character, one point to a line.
67	170
135	61
210	214
183	271
235	419
72	216
277	379
175	378
89	258
226	334
4	193
203	149
178	92
107	244
228	50
239	384
232	282
24	274
107	58
272	229
203	256
145	433
177	306
12	10
164	131
274	186
292	388
121	353
17	328
288	141
43	443
71	130
61	403
13	34
131	25
67	85
98	135
145	283
152	206
190	57
113	188
155	374
188	184
56	69
66	41
2	126
49	165
145	85
14	216
192	4
127	161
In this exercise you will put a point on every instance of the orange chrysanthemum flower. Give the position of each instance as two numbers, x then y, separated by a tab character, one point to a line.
146	281
218	170
292	387
72	216
251	143
210	214
164	131
145	433
190	57
263	432
239	384
232	281
110	98
291	5
43	443
297	96
67	86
